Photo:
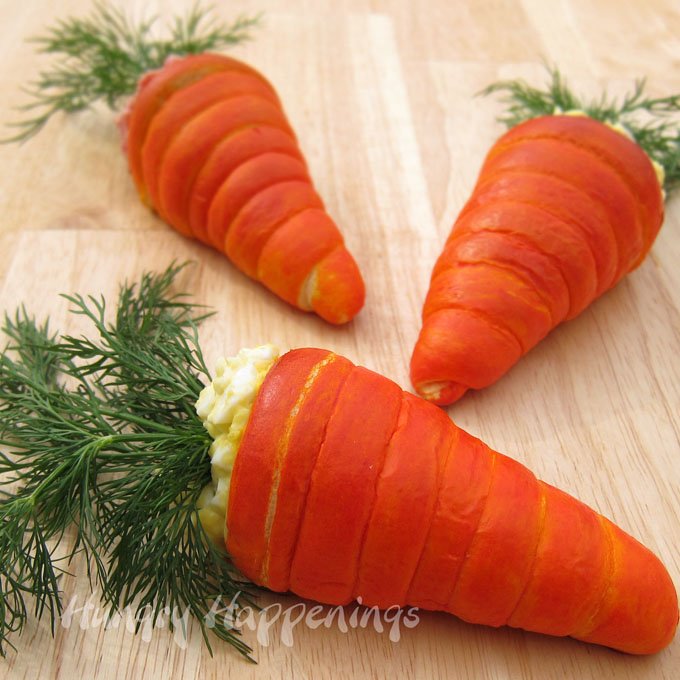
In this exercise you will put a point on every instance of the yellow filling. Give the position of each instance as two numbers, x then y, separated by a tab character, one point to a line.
224	407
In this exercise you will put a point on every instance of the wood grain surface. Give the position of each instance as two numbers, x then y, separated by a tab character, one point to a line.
382	96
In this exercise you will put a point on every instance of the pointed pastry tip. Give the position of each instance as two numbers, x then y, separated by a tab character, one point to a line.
337	290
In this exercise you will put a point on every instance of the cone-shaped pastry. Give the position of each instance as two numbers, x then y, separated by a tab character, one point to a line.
397	505
564	207
211	150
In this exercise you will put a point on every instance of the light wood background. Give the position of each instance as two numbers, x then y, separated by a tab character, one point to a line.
382	95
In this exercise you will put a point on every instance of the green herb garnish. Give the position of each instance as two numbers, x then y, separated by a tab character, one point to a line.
100	433
102	57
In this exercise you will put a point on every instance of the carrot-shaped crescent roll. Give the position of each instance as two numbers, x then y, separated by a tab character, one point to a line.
396	505
567	202
161	465
211	152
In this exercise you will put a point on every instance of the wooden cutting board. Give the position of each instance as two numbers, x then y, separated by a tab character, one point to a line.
382	95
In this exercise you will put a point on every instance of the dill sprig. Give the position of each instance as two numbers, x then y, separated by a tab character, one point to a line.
654	122
101	58
53	445
102	434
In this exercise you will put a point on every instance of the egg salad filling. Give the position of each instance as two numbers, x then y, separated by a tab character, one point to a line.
224	407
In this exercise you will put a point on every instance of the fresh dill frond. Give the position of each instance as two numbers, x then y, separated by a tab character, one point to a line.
102	56
654	122
108	439
52	436
149	366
